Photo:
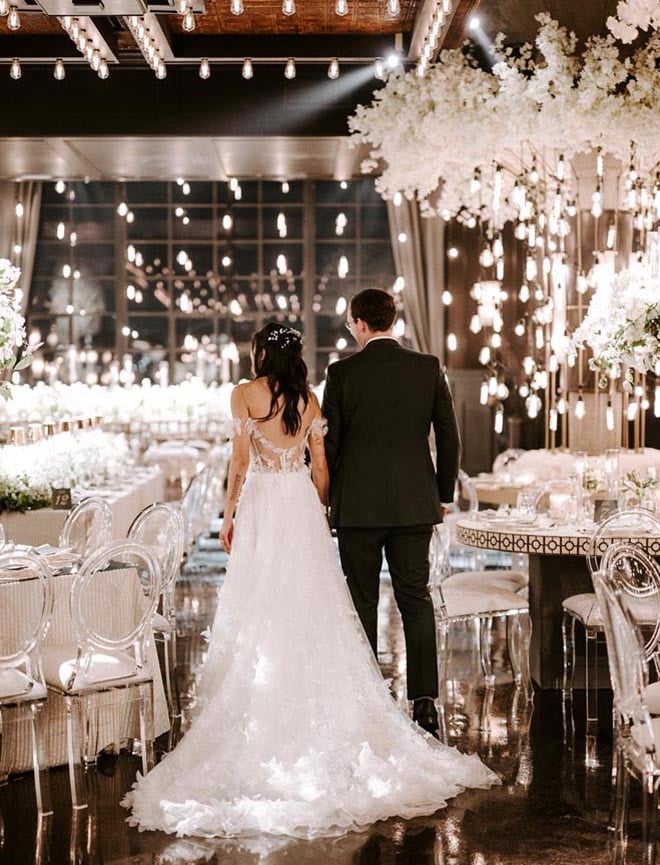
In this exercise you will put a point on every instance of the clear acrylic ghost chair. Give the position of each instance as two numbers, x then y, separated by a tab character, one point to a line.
111	617
26	599
511	579
637	733
583	608
192	506
160	527
87	527
477	606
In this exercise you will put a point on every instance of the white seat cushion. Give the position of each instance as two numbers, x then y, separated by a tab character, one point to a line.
160	624
585	608
653	698
59	665
512	581
471	602
14	683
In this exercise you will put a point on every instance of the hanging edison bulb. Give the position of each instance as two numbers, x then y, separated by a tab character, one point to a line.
341	7
247	71
15	69
288	7
333	69
58	70
188	22
290	69
204	69
236	7
13	19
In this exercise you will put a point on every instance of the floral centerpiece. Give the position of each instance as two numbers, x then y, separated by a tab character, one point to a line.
12	323
622	326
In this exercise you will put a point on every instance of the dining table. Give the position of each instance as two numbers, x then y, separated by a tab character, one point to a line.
126	495
558	568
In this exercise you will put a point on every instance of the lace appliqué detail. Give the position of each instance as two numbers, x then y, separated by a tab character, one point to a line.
265	456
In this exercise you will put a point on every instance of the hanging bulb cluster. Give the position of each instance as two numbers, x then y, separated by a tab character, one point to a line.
431	39
151	51
87	43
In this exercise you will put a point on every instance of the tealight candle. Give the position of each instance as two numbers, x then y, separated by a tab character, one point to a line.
558	505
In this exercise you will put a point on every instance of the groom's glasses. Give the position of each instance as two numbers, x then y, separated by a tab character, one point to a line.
347	324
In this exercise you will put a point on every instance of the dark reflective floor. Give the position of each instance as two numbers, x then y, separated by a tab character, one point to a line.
548	810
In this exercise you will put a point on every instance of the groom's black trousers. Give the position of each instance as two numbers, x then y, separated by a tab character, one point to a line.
407	552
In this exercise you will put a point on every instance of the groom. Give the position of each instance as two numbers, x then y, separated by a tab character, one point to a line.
385	493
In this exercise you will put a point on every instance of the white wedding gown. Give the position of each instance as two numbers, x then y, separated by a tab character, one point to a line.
297	733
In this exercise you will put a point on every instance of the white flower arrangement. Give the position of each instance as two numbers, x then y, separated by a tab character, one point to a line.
431	135
633	17
138	404
91	457
12	323
622	326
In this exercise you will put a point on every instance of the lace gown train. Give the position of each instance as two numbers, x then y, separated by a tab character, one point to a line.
297	733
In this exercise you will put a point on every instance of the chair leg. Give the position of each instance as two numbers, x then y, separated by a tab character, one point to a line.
513	636
649	811
568	645
485	631
77	779
39	762
443	671
146	706
591	687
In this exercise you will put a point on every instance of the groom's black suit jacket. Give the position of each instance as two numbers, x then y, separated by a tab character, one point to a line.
380	405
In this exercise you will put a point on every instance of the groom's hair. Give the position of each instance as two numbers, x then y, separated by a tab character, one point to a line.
375	307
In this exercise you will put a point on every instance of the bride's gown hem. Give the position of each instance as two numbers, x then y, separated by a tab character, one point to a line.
297	733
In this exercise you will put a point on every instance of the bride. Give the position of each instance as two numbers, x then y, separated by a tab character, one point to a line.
297	733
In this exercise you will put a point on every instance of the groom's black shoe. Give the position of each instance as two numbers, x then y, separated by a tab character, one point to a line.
425	715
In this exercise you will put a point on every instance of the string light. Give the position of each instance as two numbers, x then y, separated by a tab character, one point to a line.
393	7
188	22
290	69
15	69
204	69
341	7
4	7
288	7
13	19
236	7
247	71
58	70
333	68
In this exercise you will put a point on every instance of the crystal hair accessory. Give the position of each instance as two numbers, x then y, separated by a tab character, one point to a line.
285	337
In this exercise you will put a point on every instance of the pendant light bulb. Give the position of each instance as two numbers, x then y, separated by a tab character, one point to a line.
182	6
393	7
379	69
4	7
290	69
288	7
341	7
188	22
333	68
13	19
104	69
236	7
161	71
204	69
15	69
248	70
82	40
59	71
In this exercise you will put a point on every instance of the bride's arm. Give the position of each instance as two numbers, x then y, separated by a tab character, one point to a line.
238	466
316	444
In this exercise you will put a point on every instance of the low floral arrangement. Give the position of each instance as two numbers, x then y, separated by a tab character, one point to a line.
28	473
622	326
12	324
639	487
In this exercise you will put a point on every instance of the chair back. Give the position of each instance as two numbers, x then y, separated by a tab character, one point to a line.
632	521
636	576
101	586
87	527
467	492
628	670
26	601
160	527
192	505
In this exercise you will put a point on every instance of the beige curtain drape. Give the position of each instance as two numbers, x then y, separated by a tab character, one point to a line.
18	236
418	247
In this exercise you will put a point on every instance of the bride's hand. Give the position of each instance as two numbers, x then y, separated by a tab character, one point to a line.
227	534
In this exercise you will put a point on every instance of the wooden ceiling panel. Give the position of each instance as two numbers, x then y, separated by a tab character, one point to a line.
33	24
311	17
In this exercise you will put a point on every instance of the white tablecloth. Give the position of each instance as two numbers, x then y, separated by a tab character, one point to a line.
117	600
126	500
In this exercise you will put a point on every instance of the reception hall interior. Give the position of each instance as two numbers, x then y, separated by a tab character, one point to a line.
176	174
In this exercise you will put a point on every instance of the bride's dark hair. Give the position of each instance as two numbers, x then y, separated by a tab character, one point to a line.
277	357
